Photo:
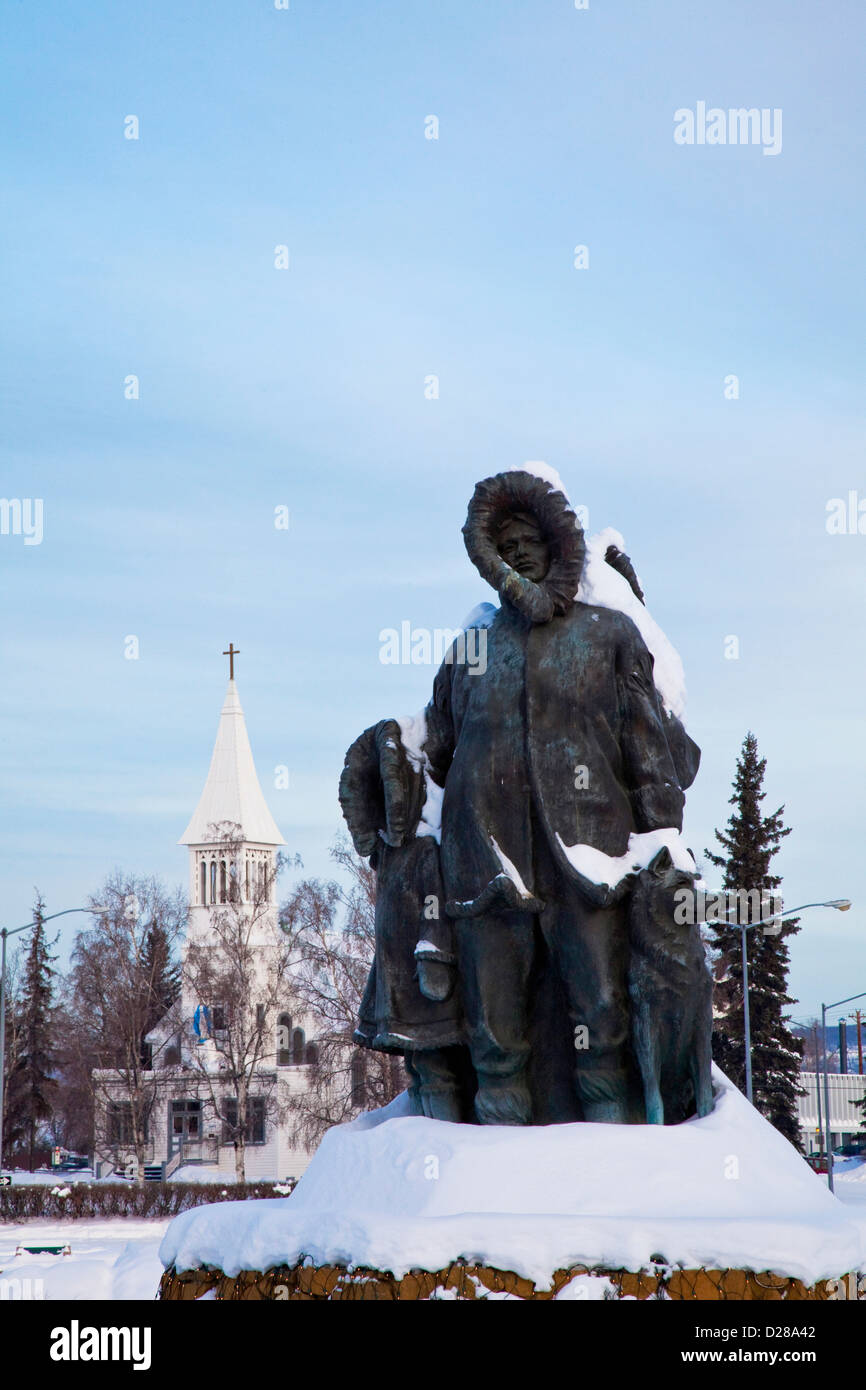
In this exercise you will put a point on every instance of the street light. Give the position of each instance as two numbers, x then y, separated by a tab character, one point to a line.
841	905
813	1026
824	1008
5	933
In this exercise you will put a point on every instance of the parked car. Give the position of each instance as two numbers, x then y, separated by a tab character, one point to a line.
817	1162
73	1163
856	1148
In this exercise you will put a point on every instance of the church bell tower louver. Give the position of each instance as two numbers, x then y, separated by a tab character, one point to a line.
231	796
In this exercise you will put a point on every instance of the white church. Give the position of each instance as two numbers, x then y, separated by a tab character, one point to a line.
190	1104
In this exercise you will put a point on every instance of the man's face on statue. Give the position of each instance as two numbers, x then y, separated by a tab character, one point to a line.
521	546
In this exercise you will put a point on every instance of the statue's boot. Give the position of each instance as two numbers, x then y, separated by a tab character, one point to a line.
441	1103
604	1095
606	1112
436	1088
503	1102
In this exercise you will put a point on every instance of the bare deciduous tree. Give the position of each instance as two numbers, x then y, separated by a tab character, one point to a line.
110	1003
72	1121
241	973
331	928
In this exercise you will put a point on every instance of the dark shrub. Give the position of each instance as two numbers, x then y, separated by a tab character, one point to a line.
83	1199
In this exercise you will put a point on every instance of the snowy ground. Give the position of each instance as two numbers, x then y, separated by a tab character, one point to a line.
203	1172
21	1177
112	1259
117	1258
192	1172
849	1180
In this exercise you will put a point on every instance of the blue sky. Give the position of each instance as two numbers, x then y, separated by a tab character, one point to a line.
305	388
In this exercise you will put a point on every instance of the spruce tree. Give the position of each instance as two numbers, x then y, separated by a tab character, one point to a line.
160	974
14	1093
34	1081
750	842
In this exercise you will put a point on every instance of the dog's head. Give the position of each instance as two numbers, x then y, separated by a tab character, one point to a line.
658	923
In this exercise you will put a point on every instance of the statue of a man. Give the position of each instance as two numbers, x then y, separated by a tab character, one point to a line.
550	755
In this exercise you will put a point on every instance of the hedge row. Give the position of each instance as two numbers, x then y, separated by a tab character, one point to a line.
70	1201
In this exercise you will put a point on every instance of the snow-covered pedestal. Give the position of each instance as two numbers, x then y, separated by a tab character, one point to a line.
396	1193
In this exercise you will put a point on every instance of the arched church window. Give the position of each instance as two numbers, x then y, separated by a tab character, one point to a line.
203	884
213	873
311	1055
284	1040
222	880
298	1047
247	889
233	883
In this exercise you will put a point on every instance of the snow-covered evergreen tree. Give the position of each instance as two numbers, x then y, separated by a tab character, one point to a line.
750	842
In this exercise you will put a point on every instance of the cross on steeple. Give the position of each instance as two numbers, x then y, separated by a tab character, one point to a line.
231	654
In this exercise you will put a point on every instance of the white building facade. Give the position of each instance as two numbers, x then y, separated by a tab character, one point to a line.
233	843
843	1089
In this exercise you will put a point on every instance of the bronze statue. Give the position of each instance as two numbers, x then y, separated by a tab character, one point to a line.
523	982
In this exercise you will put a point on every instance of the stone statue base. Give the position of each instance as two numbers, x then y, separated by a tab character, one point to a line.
392	1196
466	1283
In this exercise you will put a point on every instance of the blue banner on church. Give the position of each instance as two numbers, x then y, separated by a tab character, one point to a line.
201	1022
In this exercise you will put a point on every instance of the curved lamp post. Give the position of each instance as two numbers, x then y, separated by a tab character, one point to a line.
841	905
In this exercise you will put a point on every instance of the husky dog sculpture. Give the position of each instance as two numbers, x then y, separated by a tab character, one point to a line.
671	989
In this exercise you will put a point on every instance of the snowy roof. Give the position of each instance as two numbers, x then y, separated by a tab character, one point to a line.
232	791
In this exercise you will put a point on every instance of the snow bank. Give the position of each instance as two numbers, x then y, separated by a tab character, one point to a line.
112	1260
21	1177
396	1192
201	1172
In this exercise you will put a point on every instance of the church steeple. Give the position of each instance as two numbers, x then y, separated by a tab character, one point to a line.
232	797
232	791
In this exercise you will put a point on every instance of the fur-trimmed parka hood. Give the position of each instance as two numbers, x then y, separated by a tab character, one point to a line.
501	496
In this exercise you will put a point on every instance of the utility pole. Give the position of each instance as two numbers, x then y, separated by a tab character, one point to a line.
858	1018
818	1093
824	1007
